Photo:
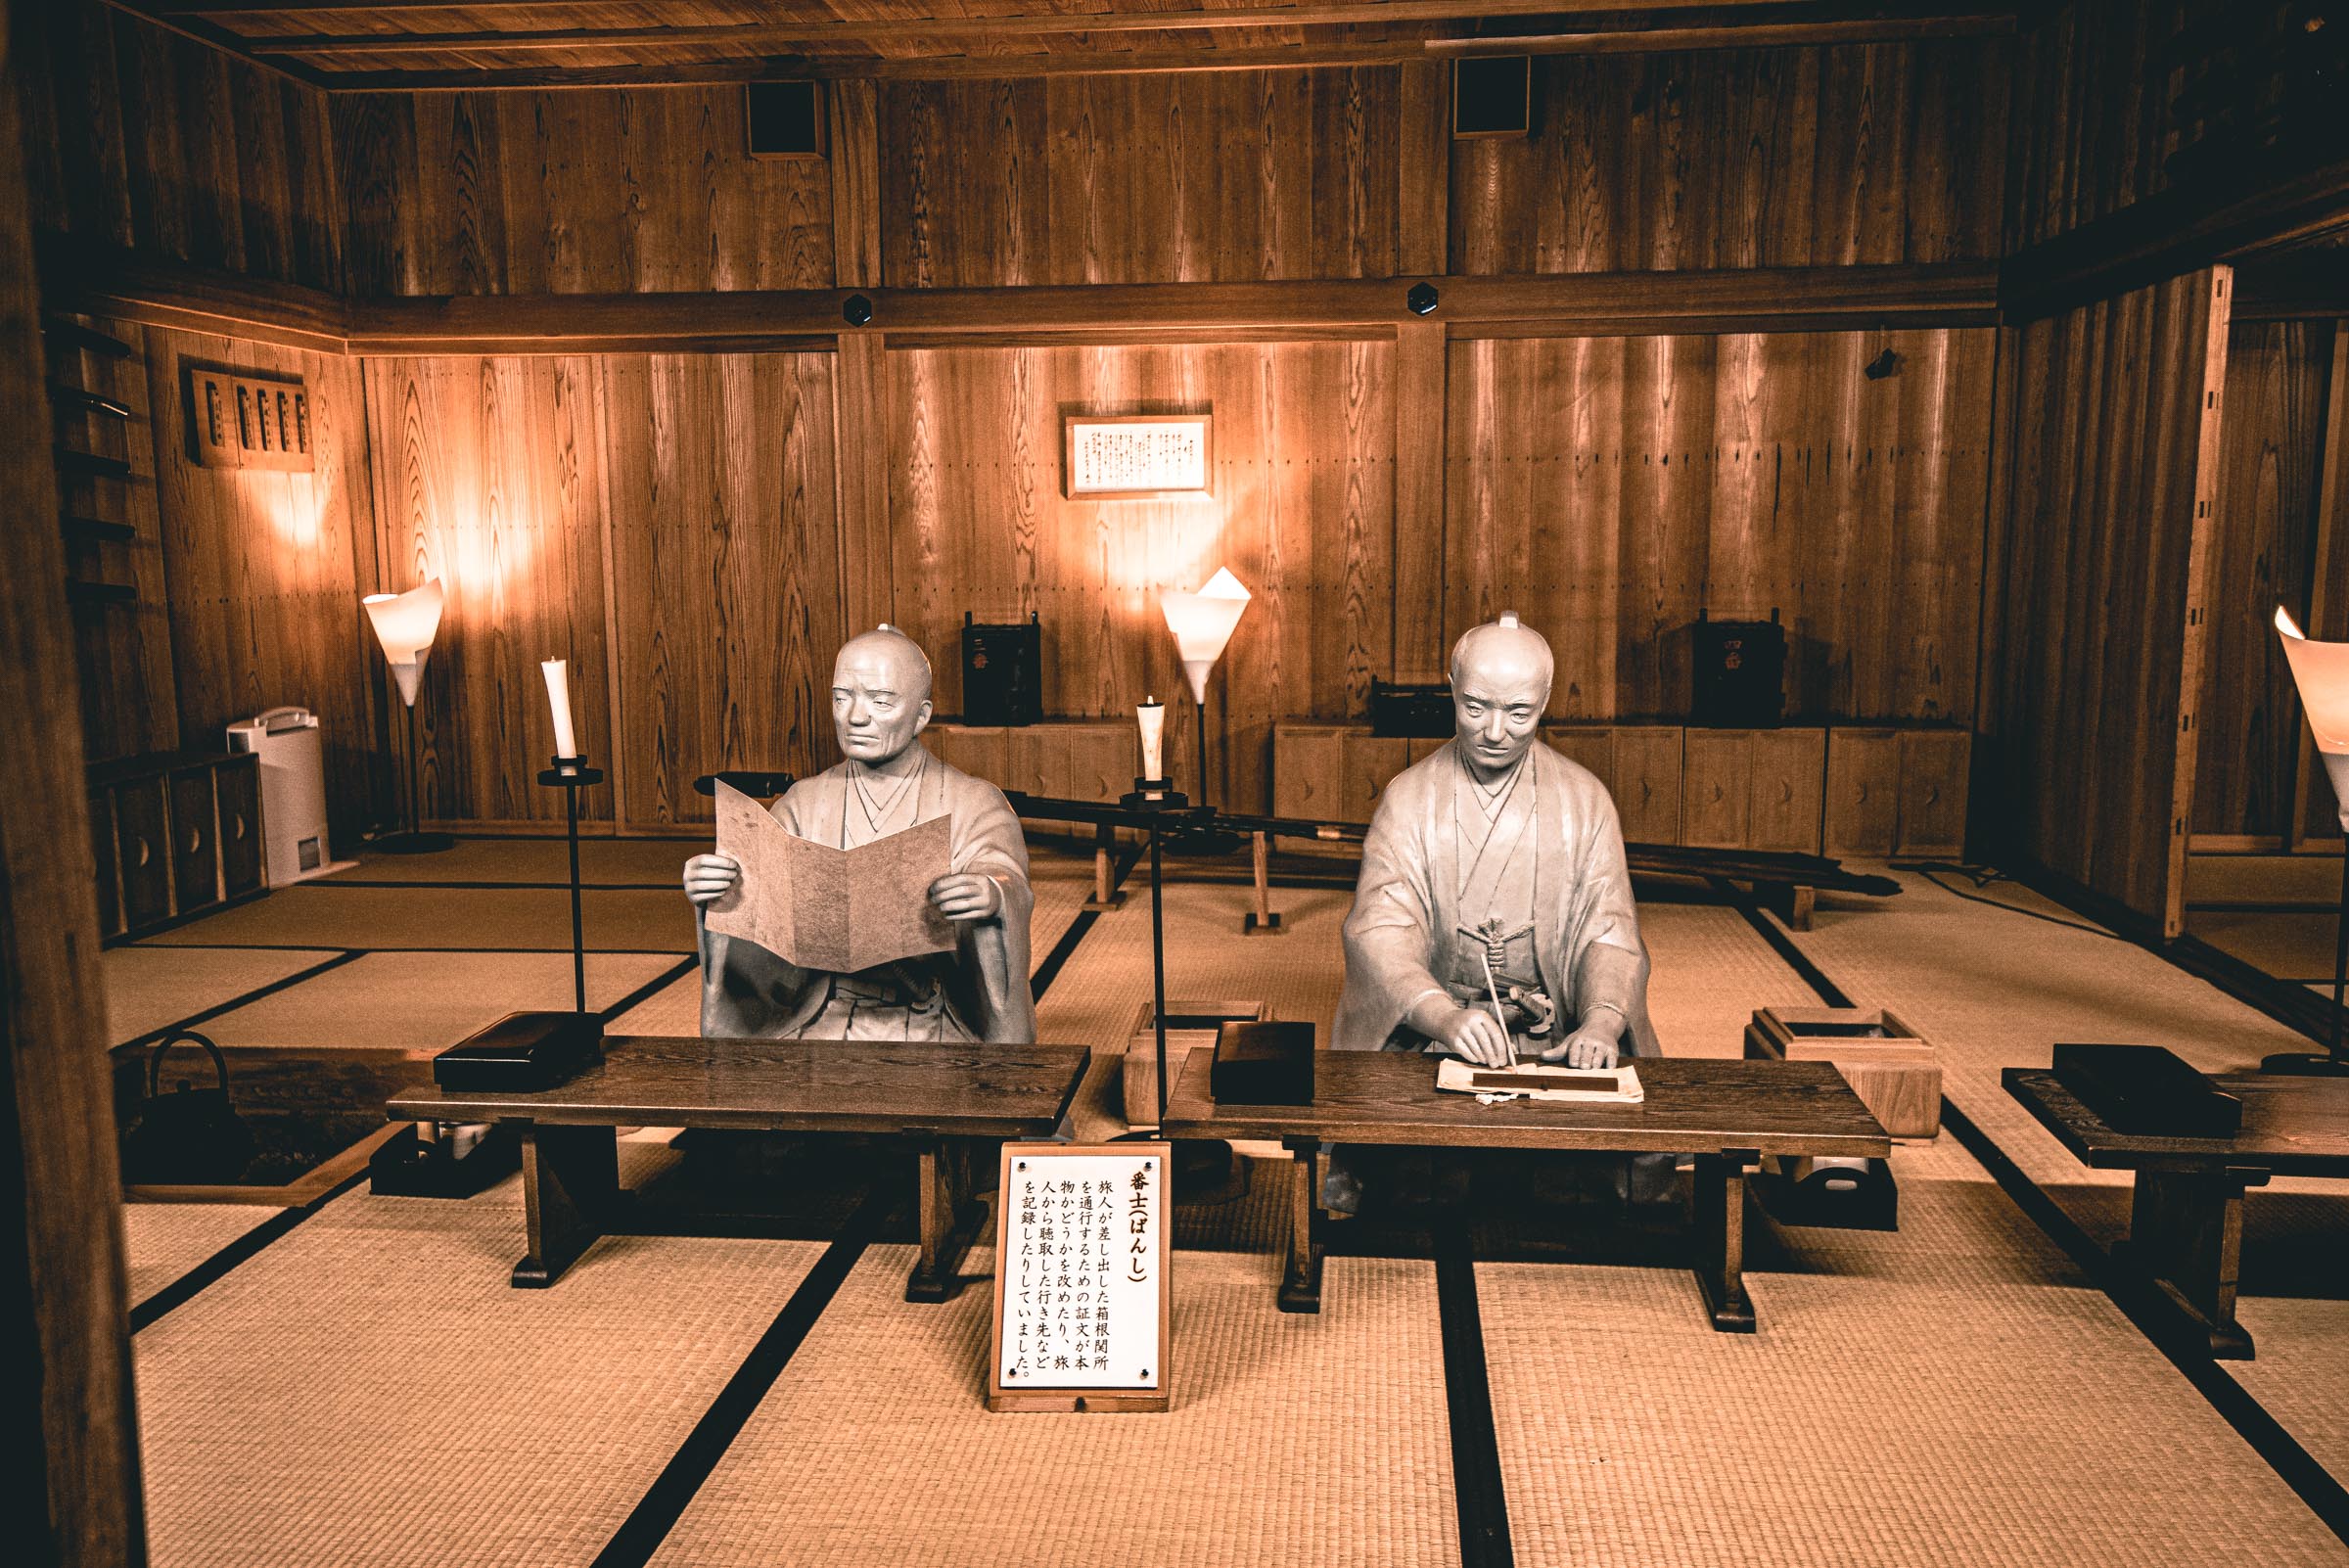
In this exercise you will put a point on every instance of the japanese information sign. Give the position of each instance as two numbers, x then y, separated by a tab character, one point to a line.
1081	1308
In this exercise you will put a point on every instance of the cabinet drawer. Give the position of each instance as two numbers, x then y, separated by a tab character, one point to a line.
143	848
1864	810
1647	782
1934	764
1305	769
1788	771
1371	763
239	783
194	847
1715	781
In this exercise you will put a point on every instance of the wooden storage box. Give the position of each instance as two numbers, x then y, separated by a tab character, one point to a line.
1190	1025
1895	1071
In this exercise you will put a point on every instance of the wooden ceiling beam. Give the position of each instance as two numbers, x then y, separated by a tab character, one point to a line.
1658	40
213	36
1595	304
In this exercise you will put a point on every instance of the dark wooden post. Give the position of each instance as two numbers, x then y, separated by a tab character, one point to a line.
64	1324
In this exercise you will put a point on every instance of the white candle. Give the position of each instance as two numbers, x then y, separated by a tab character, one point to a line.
1151	714
558	697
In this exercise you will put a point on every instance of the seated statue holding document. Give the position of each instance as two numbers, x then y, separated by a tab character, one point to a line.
977	991
1495	869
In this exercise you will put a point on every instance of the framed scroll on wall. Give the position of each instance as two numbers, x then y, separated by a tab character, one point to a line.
1084	1319
1132	457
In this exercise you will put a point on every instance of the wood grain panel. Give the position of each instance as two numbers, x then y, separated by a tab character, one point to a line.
725	571
1366	765
1784	791
2105	425
1301	512
139	137
1716	788
1223	176
1307	772
1823	154
2263	546
574	193
1935	767
1609	488
264	568
1647	782
488	475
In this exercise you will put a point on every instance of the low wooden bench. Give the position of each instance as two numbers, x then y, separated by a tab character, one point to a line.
1729	1114
936	1097
2185	1217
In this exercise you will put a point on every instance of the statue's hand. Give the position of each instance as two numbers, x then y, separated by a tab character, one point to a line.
1472	1033
967	895
1592	1047
710	878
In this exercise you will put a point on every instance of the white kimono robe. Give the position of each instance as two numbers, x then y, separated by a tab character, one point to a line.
1407	915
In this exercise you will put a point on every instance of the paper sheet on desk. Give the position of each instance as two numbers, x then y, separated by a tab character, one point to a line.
1614	1085
838	910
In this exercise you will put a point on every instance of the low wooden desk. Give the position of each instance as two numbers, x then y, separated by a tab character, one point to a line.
932	1096
2185	1219
1729	1114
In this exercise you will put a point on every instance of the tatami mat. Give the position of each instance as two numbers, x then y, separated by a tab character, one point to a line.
2294	944
650	862
164	1240
321	914
1955	1393
149	988
1995	987
1293	1440
426	1000
369	1390
1710	970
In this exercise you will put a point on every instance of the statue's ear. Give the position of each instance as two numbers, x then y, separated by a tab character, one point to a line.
921	718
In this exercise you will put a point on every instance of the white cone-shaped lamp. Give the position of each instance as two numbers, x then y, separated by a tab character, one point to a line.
1203	624
404	623
2321	669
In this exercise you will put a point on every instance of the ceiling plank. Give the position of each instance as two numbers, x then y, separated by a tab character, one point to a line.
214	37
1660	40
772	34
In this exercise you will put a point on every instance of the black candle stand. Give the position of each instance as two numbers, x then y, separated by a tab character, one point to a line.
571	774
1156	797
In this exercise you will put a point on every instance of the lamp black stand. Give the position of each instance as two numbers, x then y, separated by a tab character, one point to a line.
1158	797
1199	717
414	841
2330	1062
571	774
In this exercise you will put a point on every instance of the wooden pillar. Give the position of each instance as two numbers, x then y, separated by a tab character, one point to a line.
64	1308
2194	635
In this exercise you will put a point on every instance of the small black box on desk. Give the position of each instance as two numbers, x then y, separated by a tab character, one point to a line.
2148	1091
1260	1063
521	1052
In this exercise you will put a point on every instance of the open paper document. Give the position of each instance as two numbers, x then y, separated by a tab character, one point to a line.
1532	1081
839	910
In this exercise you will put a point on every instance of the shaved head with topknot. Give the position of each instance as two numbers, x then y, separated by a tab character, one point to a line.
1504	650
899	653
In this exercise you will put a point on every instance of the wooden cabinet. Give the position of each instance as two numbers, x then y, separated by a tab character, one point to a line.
1865	790
1079	759
172	836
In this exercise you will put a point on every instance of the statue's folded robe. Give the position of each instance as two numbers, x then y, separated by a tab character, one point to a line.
1581	900
747	992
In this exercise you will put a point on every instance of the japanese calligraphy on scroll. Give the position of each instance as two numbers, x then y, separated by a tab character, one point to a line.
1081	1308
1129	456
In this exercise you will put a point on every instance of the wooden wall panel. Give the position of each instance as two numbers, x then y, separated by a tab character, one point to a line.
2111	91
264	570
1301	512
2106	427
1185	177
2264	537
725	571
1609	488
1743	158
138	137
489	474
574	192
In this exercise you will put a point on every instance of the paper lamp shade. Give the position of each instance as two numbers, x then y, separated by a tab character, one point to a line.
404	623
2321	669
1201	624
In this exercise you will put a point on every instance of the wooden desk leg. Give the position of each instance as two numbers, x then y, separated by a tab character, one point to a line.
1105	893
1301	1272
1717	1235
2186	1231
1262	921
949	1220
569	1185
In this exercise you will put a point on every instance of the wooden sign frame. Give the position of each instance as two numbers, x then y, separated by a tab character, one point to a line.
1070	424
1016	1158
